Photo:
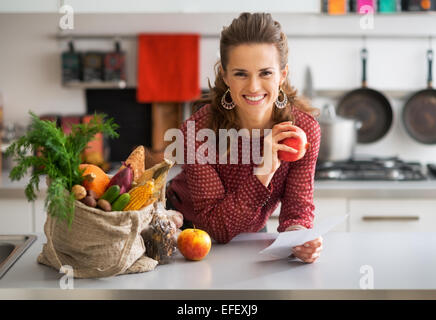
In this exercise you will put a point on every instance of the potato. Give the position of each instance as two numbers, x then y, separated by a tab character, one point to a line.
104	205
79	191
92	194
89	201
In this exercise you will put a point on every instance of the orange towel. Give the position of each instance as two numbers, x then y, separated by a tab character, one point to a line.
168	67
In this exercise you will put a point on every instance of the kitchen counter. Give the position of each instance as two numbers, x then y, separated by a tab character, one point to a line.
323	189
15	189
402	265
376	189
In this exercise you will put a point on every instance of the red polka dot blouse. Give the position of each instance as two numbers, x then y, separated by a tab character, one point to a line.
228	199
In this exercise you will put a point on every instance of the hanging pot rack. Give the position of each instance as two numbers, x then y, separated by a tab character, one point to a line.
392	36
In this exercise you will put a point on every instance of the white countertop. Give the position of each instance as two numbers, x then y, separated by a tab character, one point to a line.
6	183
425	189
402	265
348	189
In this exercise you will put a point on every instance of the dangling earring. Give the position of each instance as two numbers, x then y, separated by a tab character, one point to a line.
225	104
281	104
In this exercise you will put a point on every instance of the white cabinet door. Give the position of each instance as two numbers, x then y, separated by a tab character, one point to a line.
40	216
15	216
408	215
327	207
324	207
273	221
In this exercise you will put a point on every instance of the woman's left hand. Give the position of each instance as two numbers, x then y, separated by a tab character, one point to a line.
309	251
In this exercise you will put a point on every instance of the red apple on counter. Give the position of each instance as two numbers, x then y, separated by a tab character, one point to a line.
194	244
299	143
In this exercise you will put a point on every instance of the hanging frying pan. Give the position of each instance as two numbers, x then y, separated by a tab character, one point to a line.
368	106
419	113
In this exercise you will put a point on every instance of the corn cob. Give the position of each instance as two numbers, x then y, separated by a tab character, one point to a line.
157	172
140	196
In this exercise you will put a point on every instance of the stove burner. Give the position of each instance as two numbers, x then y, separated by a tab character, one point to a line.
389	169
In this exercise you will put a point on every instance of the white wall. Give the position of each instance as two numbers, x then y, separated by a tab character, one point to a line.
167	6
30	73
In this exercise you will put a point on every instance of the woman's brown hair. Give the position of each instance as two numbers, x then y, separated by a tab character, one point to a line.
250	28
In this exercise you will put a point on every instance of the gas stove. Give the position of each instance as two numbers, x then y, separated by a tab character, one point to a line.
371	168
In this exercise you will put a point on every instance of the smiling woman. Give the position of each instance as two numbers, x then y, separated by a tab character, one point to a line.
266	64
251	91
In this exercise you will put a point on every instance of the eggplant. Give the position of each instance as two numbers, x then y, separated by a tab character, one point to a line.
123	179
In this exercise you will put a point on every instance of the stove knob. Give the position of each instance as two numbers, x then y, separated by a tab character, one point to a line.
395	174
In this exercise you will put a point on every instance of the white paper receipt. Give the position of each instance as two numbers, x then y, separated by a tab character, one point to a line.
281	247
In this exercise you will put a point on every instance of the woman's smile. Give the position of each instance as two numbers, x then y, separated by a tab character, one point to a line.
254	99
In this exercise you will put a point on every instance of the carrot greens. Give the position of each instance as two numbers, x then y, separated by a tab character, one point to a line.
49	152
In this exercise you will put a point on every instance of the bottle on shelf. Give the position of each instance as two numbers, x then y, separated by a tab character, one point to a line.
334	7
365	6
389	6
418	5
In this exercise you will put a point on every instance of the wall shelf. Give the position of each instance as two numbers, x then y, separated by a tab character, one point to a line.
95	84
378	14
324	35
303	25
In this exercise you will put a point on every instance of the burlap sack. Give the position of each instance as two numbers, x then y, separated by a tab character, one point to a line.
98	244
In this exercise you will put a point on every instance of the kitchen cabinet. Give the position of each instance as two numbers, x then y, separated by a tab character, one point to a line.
273	222
392	215
39	215
376	207
324	208
16	216
374	215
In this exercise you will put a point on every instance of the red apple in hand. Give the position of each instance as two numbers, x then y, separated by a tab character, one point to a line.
194	244
299	143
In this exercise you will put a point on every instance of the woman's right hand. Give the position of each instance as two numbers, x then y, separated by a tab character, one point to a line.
271	161
176	218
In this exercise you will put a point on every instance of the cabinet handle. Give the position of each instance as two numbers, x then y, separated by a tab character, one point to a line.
390	218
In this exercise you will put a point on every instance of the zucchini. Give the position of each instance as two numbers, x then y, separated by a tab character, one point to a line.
121	202
111	193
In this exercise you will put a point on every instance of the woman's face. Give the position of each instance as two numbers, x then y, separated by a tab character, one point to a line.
253	75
